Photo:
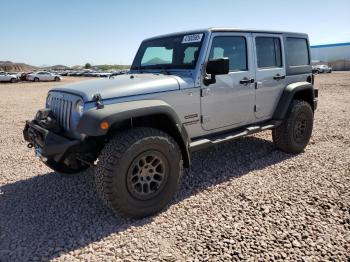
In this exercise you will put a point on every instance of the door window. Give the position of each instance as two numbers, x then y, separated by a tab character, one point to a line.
233	47
268	52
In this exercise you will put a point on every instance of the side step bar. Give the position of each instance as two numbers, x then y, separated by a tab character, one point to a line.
228	136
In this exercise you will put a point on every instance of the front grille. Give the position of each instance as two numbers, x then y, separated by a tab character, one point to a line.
62	106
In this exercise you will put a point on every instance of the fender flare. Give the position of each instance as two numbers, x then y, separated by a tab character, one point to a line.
90	121
289	93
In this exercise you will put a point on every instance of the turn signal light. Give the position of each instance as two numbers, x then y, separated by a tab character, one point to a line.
104	125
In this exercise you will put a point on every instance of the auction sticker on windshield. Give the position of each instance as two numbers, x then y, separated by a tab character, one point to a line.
192	38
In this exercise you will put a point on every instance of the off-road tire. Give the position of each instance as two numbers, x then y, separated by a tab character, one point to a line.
116	161
287	137
62	168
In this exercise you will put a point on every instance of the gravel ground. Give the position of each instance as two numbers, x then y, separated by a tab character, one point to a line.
244	200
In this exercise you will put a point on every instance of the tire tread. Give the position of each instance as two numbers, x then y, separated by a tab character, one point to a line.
112	153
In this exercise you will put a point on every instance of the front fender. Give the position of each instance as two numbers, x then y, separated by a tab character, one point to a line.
289	93
89	123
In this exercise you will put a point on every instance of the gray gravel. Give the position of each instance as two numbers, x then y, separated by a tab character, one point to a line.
244	200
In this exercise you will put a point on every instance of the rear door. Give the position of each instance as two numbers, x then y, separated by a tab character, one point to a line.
47	76
230	101
270	73
41	76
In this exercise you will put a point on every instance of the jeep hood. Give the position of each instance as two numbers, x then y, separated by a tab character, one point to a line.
124	85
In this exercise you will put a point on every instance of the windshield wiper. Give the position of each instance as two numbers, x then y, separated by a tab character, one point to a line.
150	67
138	68
163	68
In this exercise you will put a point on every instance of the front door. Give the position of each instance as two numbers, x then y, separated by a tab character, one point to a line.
270	73
230	101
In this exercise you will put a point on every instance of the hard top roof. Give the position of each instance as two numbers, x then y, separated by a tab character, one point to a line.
228	29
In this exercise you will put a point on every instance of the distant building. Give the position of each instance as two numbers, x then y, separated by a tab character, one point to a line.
335	55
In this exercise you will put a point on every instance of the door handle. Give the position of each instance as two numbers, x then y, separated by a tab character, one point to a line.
246	81
279	77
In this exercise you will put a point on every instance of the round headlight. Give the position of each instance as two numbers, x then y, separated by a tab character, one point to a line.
79	107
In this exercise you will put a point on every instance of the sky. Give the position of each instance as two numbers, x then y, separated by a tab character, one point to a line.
73	32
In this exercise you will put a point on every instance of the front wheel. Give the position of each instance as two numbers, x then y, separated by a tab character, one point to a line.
57	79
61	167
138	172
294	133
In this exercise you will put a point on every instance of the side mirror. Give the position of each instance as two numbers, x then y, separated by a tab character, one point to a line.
215	67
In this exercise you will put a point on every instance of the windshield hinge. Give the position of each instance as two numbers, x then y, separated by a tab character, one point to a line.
98	100
205	91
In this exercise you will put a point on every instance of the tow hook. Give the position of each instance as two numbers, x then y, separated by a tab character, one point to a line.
30	145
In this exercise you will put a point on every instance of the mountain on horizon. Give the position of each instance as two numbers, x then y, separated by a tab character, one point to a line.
9	66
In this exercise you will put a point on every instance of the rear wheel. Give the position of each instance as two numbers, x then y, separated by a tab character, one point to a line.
36	79
138	172
57	79
294	133
13	80
61	167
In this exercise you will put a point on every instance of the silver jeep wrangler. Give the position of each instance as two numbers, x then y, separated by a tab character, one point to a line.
185	92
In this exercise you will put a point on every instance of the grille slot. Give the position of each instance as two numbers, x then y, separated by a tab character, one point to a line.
62	109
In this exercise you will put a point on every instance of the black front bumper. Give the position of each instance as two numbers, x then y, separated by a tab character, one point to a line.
47	143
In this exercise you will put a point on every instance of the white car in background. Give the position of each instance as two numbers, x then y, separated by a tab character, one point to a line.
43	76
7	77
317	69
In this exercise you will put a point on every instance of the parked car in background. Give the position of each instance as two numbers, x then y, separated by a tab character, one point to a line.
317	69
105	74
43	76
24	76
64	73
72	73
118	72
7	77
17	74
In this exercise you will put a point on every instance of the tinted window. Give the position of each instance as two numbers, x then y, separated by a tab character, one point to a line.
157	55
190	55
268	51
297	49
178	51
233	47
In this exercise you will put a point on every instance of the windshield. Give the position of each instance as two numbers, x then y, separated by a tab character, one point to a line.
180	52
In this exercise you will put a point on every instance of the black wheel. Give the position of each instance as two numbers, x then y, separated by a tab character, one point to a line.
36	79
57	79
13	80
138	172
61	167
294	133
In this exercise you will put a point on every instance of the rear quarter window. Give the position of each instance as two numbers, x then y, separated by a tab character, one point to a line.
297	50
268	51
